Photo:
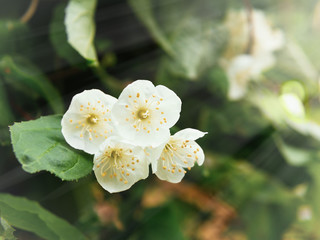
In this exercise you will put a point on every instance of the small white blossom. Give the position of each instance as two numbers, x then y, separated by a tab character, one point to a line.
87	123
118	165
180	152
250	49
144	113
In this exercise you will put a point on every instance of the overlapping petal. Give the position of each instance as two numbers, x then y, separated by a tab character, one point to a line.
118	165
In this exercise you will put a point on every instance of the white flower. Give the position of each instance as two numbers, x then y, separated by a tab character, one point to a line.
144	113
181	151
250	49
264	40
241	69
118	165
87	123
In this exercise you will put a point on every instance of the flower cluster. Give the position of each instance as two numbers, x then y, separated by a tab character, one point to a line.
128	134
249	52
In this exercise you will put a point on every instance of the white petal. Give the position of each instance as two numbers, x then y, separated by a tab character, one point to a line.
145	113
118	165
179	153
190	134
76	129
153	155
171	105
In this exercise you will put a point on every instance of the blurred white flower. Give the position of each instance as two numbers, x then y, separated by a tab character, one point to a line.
304	213
250	49
144	113
118	165
180	151
87	122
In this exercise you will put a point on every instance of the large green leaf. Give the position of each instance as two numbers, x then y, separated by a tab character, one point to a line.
30	216
22	74
40	145
80	26
59	39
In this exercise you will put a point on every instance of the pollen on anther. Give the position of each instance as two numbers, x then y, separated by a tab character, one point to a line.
129	96
161	99
138	95
133	169
128	174
127	106
146	101
157	129
105	119
137	160
98	101
125	182
93	108
70	120
127	119
148	131
189	168
162	112
90	138
164	167
104	174
81	135
172	171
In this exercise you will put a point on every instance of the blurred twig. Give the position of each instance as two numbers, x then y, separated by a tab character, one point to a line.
249	9
30	11
221	213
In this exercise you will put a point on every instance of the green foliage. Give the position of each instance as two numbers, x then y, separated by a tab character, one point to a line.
58	37
193	44
6	231
12	32
23	75
40	145
80	27
156	220
30	216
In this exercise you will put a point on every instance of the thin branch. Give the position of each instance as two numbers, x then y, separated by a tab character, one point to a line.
30	11
249	9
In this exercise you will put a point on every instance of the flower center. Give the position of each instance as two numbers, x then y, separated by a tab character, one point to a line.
92	119
115	154
143	114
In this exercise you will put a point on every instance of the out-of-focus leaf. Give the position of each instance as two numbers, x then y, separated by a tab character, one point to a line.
156	220
40	145
22	74
59	39
6	231
294	155
79	21
30	216
6	116
192	42
12	34
143	9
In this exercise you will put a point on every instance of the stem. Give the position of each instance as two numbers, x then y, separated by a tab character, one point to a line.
30	11
114	85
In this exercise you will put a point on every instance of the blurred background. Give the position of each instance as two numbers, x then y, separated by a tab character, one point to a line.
247	72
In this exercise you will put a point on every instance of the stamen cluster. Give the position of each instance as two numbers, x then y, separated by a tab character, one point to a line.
128	134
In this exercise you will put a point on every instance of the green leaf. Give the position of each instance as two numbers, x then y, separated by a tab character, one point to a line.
6	231
40	145
12	34
23	75
79	21
30	216
6	116
59	39
193	42
294	155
